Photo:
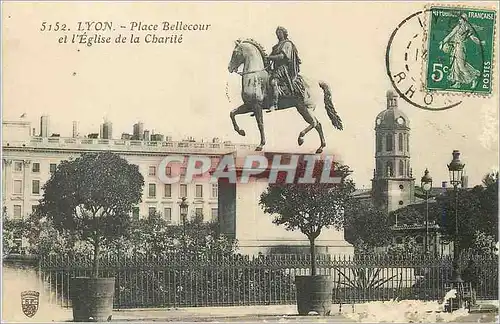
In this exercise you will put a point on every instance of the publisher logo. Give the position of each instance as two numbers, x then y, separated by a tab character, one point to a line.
29	302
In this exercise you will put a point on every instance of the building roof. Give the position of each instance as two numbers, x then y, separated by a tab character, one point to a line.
362	193
119	145
388	117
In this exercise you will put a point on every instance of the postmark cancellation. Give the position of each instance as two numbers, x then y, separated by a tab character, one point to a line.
460	45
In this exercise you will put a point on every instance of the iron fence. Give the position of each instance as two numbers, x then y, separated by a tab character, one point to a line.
180	281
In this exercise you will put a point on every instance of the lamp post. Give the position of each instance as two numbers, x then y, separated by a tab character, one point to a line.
426	184
184	211
455	169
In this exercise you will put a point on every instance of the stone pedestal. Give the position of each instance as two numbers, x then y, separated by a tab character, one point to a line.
241	217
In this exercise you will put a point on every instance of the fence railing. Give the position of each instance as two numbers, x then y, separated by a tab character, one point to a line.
179	281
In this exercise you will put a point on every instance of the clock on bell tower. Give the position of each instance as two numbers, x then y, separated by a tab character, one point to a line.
392	183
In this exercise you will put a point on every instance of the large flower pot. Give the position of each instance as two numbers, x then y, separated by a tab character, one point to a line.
92	299
314	293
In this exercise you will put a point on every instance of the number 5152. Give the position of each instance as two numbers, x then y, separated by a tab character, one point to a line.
57	26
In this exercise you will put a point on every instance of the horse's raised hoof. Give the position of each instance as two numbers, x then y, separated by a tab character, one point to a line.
241	132
258	148
300	140
320	150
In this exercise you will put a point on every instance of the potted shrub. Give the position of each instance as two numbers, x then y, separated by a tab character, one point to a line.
92	197
310	207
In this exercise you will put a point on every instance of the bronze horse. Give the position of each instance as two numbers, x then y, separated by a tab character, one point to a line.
256	94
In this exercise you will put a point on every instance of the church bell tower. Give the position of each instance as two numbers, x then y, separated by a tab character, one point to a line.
392	183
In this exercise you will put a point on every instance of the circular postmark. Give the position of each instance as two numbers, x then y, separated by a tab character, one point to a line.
404	59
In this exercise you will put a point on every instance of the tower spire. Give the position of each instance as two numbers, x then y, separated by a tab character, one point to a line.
393	179
392	99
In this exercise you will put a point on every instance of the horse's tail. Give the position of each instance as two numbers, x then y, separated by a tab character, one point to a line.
330	109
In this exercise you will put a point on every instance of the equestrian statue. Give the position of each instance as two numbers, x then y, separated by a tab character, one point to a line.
273	83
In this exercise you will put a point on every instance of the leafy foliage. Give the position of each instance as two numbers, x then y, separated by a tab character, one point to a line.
366	226
415	214
482	244
153	236
92	197
407	249
364	278
44	239
477	211
10	230
309	207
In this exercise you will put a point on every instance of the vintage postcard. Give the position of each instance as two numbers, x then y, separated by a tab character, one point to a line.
248	161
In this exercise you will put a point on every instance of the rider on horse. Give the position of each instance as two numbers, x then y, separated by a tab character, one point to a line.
284	75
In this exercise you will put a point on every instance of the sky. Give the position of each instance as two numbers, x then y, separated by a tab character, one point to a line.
185	89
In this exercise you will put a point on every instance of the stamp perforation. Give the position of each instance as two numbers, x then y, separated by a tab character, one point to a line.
452	93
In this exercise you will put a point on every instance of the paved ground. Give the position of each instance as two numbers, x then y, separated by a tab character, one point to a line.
278	313
335	318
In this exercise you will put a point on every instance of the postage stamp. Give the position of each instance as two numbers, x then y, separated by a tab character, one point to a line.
460	50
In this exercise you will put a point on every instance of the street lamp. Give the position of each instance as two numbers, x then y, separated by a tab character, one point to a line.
184	211
426	184
456	169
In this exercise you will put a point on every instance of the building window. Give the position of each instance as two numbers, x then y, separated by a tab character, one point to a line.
379	143
18	187
167	214
215	190
388	142
399	240
183	190
215	214
151	211
35	187
183	171
135	212
152	170
199	213
152	190
18	166
389	169
168	191
400	142
401	187
183	216
401	168
17	212
168	171
407	142
36	167
52	167
199	191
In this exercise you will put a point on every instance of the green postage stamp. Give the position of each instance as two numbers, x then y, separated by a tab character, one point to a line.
460	50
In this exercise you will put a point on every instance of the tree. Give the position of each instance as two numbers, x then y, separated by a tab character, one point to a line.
154	236
489	205
11	229
407	249
477	211
309	207
44	239
92	197
366	226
